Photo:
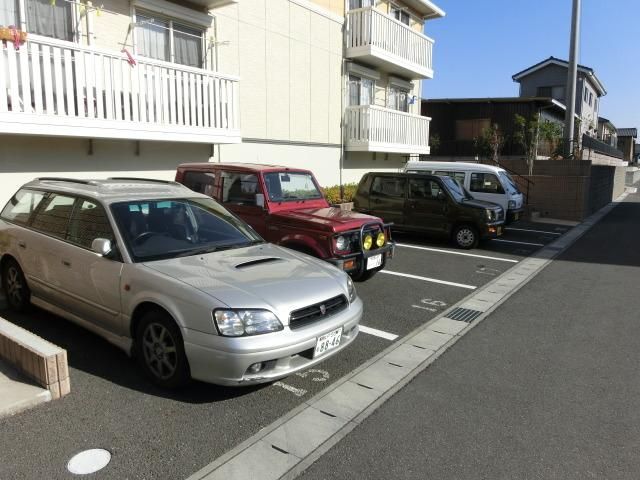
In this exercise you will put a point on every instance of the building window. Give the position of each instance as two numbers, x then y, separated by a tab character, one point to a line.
590	98
168	40
471	129
400	14
9	13
544	92
388	187
398	99
43	17
361	90
353	4
586	94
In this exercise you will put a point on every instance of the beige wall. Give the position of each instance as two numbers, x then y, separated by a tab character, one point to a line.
23	158
289	60
334	6
356	164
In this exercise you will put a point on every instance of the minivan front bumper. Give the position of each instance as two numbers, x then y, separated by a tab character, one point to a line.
513	215
226	360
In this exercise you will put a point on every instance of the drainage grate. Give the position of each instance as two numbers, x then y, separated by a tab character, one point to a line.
464	315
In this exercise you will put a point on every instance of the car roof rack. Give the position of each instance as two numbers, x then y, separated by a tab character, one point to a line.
152	180
64	179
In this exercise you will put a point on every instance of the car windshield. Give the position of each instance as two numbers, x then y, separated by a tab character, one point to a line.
291	186
509	182
458	192
161	229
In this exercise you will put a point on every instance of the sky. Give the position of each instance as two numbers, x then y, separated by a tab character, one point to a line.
480	44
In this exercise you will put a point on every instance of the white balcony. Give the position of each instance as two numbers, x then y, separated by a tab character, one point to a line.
391	46
376	129
52	87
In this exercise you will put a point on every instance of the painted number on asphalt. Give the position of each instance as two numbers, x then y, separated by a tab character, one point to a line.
318	375
431	304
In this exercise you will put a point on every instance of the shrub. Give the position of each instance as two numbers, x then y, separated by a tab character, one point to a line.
332	194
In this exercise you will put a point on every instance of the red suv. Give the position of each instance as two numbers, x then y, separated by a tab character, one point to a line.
286	206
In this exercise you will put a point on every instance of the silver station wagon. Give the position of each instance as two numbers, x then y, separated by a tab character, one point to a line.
174	279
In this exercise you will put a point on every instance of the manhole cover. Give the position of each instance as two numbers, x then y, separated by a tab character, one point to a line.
89	461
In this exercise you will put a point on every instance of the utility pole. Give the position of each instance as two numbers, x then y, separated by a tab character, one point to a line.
572	78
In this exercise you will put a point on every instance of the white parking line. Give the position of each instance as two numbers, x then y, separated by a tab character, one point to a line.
427	279
378	333
533	231
519	243
440	250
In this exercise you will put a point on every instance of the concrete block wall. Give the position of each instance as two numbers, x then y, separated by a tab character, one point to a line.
39	360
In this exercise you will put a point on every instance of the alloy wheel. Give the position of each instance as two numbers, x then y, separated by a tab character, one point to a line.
159	349
15	287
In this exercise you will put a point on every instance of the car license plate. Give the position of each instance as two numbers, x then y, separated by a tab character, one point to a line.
327	342
374	262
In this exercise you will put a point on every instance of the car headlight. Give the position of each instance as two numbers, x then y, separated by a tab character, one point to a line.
512	204
238	323
380	239
352	290
342	243
491	215
367	243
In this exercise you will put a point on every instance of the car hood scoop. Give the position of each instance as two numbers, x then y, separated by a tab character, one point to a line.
260	276
260	261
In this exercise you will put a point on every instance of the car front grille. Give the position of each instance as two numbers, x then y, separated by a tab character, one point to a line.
318	311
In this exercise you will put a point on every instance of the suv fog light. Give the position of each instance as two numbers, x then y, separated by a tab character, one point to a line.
380	239
368	242
255	368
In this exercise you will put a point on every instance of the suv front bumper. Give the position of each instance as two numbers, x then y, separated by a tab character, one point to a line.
352	262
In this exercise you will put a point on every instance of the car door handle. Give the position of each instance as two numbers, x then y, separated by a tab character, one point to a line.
22	244
66	263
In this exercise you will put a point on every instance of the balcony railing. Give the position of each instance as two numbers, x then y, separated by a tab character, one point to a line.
370	128
385	42
53	87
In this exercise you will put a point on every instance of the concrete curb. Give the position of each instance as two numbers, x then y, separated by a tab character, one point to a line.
16	395
292	443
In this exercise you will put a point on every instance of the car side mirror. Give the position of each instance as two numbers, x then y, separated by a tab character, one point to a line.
101	246
260	200
441	196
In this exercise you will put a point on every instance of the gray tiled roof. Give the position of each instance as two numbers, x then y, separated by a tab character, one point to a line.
628	132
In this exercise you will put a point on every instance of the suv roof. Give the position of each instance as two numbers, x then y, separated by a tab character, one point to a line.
241	166
114	189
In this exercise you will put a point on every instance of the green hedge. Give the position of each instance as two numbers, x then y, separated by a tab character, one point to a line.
332	194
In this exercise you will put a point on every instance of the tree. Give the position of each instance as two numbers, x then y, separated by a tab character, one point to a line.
525	134
434	143
490	142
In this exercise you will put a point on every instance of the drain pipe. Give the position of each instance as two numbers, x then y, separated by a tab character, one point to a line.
343	90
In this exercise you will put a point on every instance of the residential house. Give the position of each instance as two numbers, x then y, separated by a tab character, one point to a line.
607	132
458	123
127	88
387	55
626	142
548	78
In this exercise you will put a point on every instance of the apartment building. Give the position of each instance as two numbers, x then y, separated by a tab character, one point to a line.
135	87
127	88
387	56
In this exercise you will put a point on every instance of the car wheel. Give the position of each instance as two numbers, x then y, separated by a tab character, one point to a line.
15	286
465	236
159	349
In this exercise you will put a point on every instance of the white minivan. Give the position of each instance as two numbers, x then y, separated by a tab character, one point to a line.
484	182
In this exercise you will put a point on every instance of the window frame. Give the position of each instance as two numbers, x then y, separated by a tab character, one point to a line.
394	9
45	203
76	24
170	29
403	179
224	175
76	207
360	78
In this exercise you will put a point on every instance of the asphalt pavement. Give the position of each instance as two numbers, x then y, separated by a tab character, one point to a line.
546	387
154	433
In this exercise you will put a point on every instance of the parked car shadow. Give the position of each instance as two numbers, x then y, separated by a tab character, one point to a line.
94	355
